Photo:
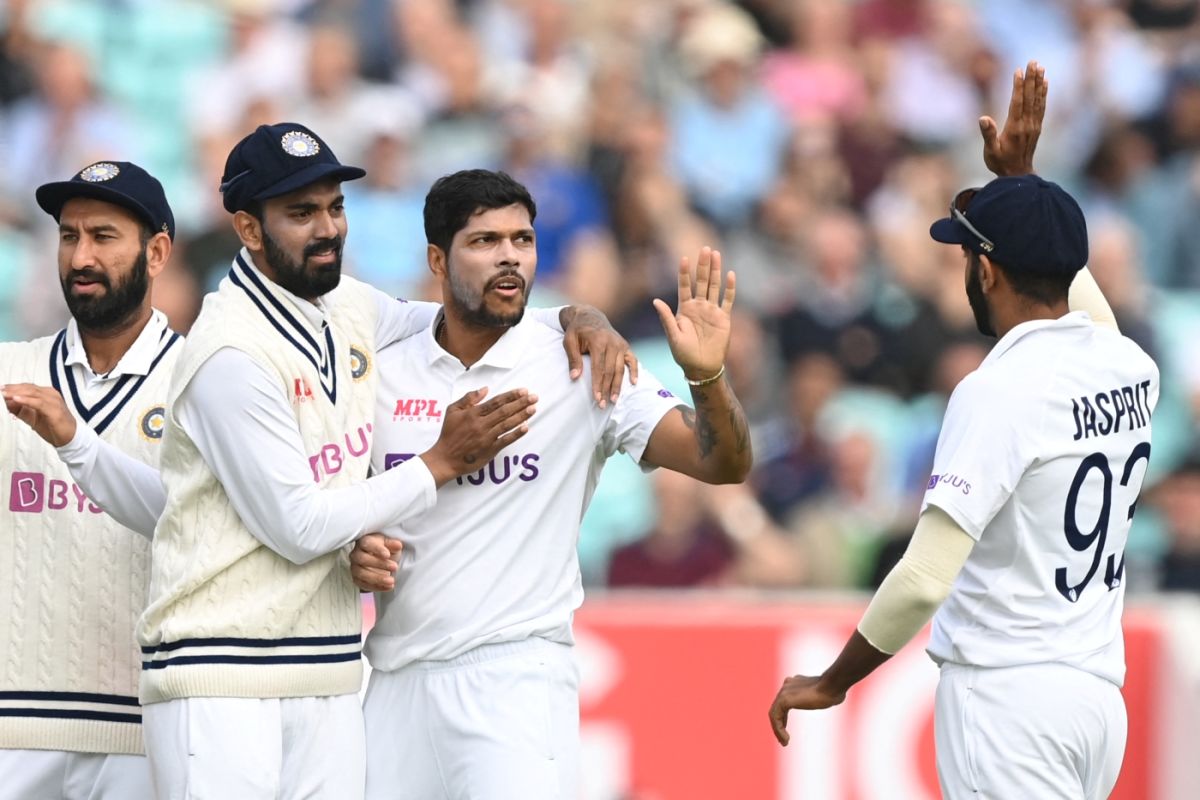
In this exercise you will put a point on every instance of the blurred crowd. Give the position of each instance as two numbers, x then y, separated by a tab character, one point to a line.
812	141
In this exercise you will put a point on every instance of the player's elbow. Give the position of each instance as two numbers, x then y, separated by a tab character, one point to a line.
928	595
296	553
300	547
730	470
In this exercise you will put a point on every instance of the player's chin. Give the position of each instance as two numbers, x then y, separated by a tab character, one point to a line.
506	311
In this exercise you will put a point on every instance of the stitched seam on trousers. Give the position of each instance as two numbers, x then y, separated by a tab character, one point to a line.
437	761
968	731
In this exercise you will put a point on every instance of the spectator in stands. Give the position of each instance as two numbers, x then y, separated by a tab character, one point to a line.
685	547
728	136
1177	499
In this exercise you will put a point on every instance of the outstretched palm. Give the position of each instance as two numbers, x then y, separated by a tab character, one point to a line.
1010	151
698	331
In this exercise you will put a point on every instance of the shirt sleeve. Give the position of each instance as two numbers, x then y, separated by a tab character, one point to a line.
399	319
258	456
635	415
129	491
981	453
550	317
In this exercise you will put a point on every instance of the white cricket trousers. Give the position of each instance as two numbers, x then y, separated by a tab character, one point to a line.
500	722
1035	732
60	775
232	748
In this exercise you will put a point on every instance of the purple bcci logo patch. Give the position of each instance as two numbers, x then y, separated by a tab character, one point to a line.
27	492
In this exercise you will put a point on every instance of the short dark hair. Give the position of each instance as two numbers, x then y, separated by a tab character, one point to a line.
254	208
1042	288
454	199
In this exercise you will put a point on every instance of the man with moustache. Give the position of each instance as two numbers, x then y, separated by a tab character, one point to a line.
73	579
474	689
251	654
1019	548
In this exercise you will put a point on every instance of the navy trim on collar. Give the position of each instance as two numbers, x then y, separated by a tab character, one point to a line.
124	389
286	324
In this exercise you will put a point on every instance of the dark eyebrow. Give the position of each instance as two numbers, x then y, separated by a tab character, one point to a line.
103	227
309	205
517	232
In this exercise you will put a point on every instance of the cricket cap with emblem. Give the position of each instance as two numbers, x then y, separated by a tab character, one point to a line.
118	182
1023	223
277	159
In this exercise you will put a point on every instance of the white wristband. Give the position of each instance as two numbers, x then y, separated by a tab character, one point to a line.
706	381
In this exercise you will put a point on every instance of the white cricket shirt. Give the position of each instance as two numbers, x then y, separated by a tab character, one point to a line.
494	560
1040	459
277	483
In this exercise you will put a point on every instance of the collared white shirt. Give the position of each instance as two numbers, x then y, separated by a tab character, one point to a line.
137	360
272	492
1040	459
495	559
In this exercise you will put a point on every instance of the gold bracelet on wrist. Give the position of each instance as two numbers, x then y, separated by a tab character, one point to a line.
706	381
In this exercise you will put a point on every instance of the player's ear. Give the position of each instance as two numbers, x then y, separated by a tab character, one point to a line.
249	230
158	250
435	257
988	273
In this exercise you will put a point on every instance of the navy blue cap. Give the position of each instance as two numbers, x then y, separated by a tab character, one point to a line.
1032	225
277	159
118	182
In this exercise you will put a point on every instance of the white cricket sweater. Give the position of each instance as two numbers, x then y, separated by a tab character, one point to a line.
72	580
228	616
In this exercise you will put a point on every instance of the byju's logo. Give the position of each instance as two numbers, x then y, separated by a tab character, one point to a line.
948	479
330	459
28	492
414	409
31	493
395	459
501	468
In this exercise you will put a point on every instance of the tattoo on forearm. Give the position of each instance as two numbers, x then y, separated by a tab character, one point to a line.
741	431
689	417
706	433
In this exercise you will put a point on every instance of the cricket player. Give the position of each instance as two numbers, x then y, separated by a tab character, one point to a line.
251	662
1020	544
474	689
73	579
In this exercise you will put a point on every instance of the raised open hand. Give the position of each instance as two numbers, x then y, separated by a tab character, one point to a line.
1010	151
698	331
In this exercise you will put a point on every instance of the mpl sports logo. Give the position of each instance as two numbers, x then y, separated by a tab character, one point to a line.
32	493
413	409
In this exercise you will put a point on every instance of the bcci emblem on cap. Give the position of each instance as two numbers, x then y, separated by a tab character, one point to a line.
300	144
98	173
152	422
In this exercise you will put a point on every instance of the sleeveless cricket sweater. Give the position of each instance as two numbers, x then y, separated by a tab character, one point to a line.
72	580
228	616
